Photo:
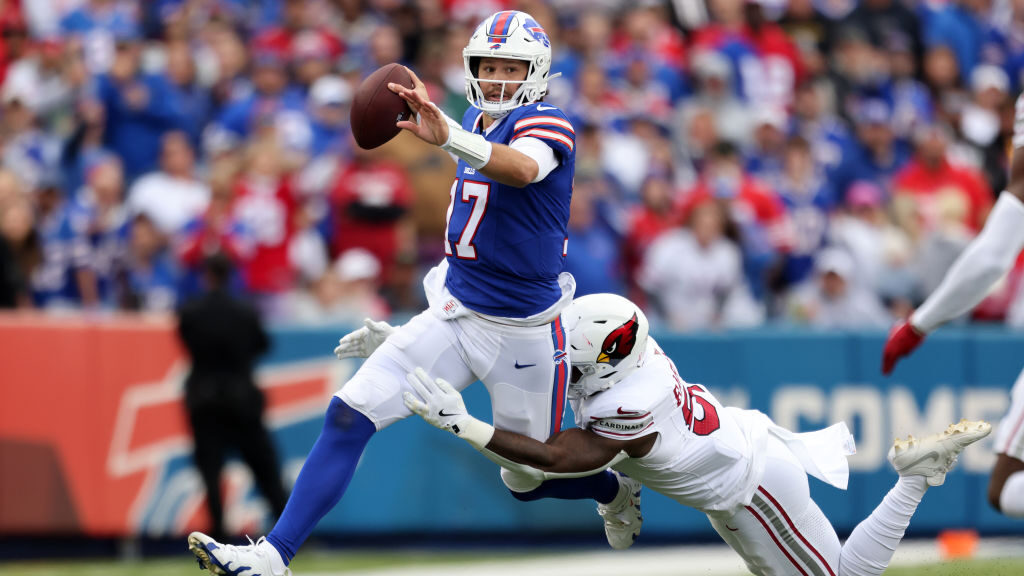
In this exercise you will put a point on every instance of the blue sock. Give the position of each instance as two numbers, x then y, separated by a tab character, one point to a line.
603	487
324	476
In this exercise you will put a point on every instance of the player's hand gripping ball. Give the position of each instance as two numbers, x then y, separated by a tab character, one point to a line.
376	110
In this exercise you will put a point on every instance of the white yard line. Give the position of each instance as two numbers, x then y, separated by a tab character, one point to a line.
712	560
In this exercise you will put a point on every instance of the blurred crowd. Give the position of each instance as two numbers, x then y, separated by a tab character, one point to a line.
817	162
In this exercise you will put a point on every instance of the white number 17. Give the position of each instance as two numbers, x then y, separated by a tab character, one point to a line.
477	193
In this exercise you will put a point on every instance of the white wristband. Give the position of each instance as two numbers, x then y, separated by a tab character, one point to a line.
473	148
477	433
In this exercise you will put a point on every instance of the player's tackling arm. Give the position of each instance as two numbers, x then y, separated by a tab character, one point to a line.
567	452
573	452
985	260
496	161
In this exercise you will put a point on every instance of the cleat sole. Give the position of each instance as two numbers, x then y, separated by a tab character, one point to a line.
202	556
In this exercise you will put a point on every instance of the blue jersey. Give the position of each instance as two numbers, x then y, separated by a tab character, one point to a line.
506	246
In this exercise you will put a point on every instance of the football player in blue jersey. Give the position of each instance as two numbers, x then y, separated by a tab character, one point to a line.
495	301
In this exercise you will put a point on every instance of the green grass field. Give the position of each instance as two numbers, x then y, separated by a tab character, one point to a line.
356	562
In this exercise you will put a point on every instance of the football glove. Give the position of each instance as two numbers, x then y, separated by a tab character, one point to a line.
441	406
903	339
362	342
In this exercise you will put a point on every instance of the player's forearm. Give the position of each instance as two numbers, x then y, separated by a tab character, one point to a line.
510	167
496	161
981	265
568	452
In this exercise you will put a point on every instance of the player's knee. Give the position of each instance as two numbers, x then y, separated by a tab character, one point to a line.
519	484
344	419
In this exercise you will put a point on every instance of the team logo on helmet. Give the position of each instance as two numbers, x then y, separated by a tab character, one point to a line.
537	32
620	342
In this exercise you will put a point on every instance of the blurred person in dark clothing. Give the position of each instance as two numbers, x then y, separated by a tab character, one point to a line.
20	253
884	19
224	337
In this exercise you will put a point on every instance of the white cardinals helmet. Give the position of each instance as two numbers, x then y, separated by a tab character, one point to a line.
514	35
607	341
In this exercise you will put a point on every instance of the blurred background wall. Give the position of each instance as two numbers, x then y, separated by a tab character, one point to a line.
94	441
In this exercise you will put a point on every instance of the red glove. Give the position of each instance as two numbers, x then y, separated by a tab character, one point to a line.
903	339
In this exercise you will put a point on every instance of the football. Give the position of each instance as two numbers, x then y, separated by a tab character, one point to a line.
375	109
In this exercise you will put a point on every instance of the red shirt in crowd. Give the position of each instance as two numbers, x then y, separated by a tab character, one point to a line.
368	202
266	207
752	202
928	184
780	68
645	224
297	43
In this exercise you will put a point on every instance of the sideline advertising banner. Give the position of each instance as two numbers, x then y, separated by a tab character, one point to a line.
94	439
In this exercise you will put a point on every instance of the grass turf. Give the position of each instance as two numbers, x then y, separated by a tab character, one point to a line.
353	562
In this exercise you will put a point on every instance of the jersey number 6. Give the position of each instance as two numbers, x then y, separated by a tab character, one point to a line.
476	193
709	422
686	396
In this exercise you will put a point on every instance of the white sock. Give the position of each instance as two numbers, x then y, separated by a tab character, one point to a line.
870	548
1011	499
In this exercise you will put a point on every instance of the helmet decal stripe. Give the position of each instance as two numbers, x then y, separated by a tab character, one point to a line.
502	22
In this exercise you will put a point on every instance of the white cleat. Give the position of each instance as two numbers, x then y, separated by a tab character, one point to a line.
622	519
256	559
935	455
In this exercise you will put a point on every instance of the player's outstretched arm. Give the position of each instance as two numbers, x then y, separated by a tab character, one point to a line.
496	161
573	452
985	260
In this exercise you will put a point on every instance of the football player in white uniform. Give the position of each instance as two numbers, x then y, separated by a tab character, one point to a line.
747	474
985	260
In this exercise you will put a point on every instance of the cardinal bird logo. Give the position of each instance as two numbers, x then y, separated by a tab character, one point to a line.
620	342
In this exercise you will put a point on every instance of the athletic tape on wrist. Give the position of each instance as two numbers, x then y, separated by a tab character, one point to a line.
477	433
473	148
